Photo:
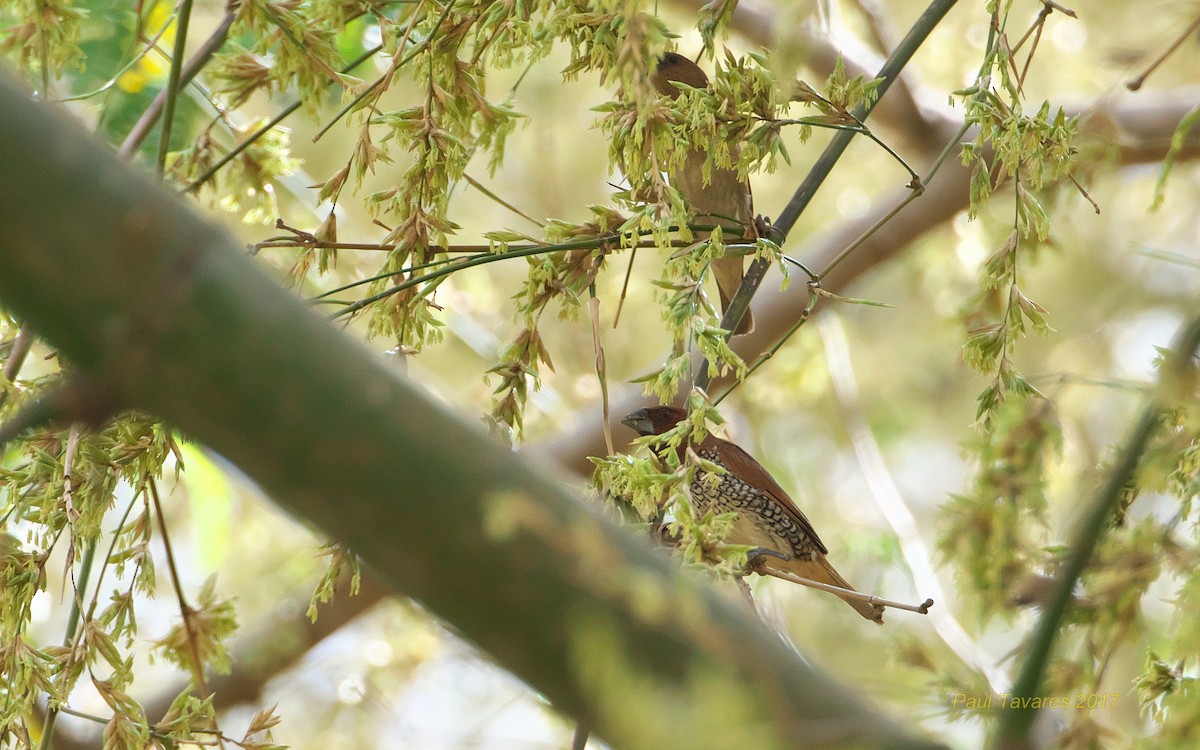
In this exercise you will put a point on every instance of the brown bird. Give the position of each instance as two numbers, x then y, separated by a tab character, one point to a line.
724	200
767	518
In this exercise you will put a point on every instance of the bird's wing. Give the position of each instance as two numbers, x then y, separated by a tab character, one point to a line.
742	464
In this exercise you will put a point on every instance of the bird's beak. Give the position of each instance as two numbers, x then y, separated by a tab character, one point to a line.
639	422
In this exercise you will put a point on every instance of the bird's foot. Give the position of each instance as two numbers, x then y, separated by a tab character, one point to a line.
756	558
764	228
660	531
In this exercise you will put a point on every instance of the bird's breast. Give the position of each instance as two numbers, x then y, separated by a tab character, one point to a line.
761	521
724	194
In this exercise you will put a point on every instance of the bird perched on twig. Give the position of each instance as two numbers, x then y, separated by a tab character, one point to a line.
767	519
724	200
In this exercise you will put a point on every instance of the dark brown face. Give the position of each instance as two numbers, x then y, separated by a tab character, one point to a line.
675	67
654	420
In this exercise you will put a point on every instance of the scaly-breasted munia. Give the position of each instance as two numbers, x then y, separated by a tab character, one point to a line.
767	519
724	200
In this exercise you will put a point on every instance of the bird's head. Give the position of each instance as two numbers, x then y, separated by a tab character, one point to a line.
673	67
654	420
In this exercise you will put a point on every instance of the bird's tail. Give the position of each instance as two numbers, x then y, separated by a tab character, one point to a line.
821	571
728	272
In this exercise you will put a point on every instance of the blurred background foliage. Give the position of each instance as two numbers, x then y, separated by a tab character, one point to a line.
980	504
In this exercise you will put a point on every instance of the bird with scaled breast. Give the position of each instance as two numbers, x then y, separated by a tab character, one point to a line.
724	199
767	519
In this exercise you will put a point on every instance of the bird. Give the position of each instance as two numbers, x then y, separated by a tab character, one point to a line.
724	200
767	519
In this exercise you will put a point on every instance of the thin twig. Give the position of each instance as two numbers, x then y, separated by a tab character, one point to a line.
185	610
1037	28
922	608
68	477
115	538
624	287
79	586
478	186
858	127
1087	196
770	352
1136	83
81	715
309	241
870	232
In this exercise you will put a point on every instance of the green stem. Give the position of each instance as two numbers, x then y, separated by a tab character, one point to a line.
173	83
